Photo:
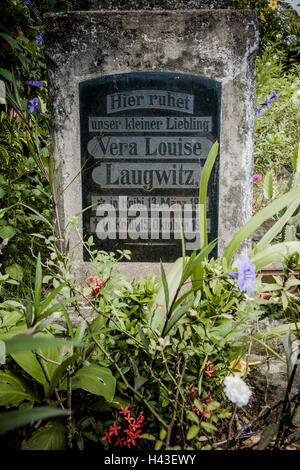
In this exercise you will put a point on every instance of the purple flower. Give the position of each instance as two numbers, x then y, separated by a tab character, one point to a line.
256	177
274	95
32	105
28	2
245	276
40	38
35	83
267	103
259	111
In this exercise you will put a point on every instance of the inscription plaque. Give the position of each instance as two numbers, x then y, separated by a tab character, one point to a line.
145	137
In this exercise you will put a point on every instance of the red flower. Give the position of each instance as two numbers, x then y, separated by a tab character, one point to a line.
96	284
106	437
114	429
128	431
209	371
125	411
263	296
206	412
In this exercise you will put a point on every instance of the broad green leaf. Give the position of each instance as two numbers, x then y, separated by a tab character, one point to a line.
15	271
8	333
13	390
195	269
268	434
165	286
51	296
274	253
11	420
59	372
158	445
7	231
258	219
205	175
173	279
277	227
22	343
59	307
97	380
80	329
192	417
175	317
148	436
6	74
208	426
193	432
139	382
28	361
50	437
268	186
163	434
12	42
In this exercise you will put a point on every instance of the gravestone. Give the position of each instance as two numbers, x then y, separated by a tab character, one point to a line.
137	99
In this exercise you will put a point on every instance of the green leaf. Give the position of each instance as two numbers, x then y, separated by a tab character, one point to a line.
192	417
28	361
11	420
258	219
2	96
23	343
175	317
208	427
2	352
80	329
195	272
173	279
6	74
144	339
59	372
267	436
296	159
158	445
268	186
15	271
148	436
7	231
139	382
59	307
192	432
12	42
51	437
38	285
274	253
165	286
97	380
51	296
277	227
13	390
205	175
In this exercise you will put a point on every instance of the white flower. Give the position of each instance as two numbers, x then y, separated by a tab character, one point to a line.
237	391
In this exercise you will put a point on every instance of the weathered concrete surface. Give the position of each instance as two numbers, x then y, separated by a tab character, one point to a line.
149	4
219	44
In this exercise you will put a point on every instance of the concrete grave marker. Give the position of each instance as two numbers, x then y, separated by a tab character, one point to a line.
137	98
144	139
